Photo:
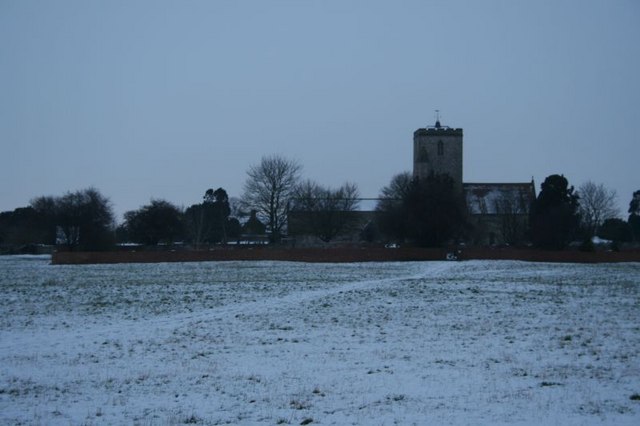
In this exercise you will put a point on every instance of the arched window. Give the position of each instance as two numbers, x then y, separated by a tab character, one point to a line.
440	148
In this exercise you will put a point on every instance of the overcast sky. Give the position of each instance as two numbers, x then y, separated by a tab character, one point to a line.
164	99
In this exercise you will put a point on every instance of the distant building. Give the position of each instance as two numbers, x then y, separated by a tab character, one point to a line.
308	227
499	212
438	150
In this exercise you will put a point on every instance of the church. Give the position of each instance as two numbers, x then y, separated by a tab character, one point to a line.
498	212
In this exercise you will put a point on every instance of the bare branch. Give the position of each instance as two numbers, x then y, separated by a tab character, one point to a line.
597	204
269	188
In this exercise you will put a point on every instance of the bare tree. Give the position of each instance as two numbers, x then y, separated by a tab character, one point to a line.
325	212
513	208
597	204
89	214
269	188
237	209
83	218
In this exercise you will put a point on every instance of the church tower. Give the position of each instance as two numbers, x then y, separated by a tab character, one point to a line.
438	150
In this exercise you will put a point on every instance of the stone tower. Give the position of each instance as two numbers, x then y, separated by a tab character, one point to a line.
438	150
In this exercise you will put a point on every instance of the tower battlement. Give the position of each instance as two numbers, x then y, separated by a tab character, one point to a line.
438	131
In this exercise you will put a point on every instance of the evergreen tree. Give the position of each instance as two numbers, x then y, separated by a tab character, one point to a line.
554	214
391	210
616	230
427	212
157	222
435	209
634	216
208	222
24	226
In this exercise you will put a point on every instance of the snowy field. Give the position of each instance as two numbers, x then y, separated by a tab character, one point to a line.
442	343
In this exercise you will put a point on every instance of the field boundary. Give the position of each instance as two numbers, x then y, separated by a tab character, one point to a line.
339	255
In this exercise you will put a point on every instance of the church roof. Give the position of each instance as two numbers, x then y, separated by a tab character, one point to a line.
490	198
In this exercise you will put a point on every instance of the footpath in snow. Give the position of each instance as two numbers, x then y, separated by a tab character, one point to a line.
479	342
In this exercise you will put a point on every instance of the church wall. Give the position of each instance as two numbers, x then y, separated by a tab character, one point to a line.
488	230
438	151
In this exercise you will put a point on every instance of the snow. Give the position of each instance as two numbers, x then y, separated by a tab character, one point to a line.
485	198
477	342
597	240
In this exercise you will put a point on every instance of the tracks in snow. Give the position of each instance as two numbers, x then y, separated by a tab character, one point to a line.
278	302
43	342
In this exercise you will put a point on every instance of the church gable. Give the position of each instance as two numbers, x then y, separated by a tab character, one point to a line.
499	198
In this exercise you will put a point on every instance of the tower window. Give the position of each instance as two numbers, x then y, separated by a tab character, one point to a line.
440	148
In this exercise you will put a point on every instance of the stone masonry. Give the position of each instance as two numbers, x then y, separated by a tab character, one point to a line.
438	150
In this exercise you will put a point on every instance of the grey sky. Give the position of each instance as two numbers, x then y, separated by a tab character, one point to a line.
165	99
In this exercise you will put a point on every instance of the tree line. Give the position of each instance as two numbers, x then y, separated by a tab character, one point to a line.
423	212
84	219
430	212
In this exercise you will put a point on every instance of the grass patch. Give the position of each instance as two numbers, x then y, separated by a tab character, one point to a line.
299	405
191	420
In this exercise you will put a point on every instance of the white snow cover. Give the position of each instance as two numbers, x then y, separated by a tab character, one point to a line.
484	198
456	343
